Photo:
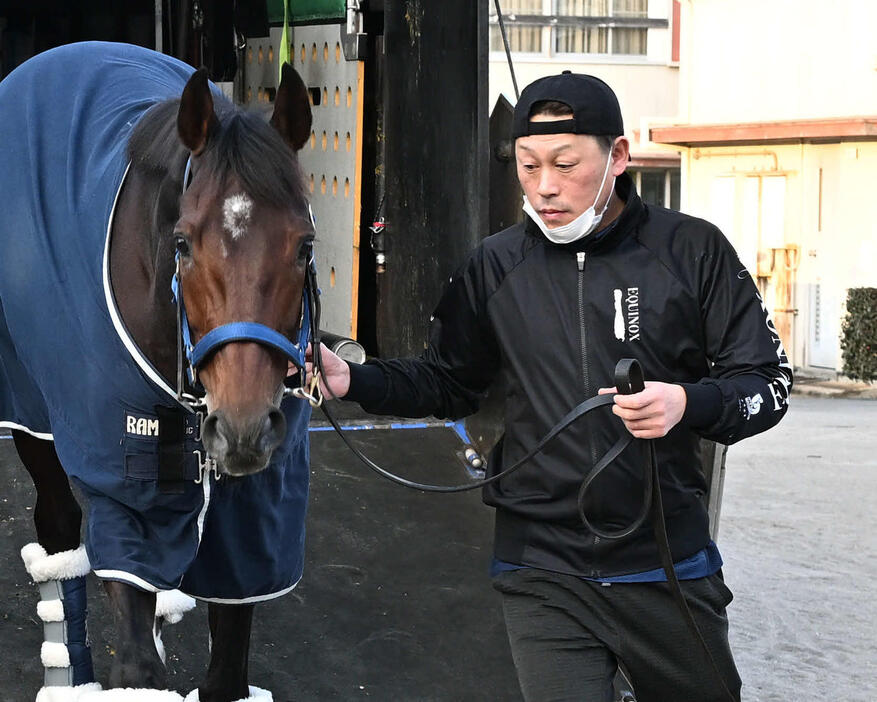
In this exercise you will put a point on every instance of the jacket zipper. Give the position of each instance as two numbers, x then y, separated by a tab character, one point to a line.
580	261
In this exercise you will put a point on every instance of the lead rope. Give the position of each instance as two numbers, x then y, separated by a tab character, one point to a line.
578	411
659	526
628	379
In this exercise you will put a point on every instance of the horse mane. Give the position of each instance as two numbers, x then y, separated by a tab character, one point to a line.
243	144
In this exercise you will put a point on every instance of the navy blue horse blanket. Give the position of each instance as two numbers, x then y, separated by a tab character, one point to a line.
69	371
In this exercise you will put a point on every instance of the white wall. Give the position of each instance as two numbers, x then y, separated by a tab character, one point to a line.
767	60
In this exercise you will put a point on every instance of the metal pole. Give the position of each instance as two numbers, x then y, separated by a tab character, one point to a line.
505	43
158	29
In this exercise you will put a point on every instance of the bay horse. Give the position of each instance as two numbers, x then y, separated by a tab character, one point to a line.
142	213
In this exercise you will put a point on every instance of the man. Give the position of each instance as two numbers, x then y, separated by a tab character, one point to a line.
592	276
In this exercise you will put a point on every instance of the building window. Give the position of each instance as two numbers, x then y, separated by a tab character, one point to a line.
562	27
658	186
524	37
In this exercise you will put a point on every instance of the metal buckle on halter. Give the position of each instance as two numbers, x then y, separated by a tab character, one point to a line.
193	404
312	394
206	464
199	415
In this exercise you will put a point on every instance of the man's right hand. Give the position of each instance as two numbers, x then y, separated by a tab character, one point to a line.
335	380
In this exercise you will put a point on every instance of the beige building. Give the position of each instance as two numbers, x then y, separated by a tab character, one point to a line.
633	45
777	122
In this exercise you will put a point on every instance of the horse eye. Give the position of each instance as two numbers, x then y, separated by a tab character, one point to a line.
182	246
305	250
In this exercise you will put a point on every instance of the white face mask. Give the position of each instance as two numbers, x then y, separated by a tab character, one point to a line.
582	225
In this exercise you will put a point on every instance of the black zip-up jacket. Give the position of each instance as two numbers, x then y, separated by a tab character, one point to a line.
656	285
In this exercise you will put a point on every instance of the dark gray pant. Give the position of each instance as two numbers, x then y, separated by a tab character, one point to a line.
568	636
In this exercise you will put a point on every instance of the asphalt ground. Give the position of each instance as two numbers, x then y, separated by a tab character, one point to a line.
798	533
395	603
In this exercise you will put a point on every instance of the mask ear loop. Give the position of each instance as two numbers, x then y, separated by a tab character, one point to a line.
603	182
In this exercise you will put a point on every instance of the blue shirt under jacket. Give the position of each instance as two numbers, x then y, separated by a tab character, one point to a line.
70	371
705	562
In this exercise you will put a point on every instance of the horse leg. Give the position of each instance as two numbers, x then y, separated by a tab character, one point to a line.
230	627
58	564
137	663
57	515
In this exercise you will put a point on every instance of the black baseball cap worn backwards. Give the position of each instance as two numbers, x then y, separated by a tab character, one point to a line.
593	104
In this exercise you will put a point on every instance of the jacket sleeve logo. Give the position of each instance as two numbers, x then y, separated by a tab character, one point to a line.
753	405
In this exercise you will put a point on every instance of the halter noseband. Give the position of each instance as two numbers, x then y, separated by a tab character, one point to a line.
244	331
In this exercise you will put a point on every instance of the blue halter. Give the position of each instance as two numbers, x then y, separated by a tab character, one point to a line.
239	331
244	331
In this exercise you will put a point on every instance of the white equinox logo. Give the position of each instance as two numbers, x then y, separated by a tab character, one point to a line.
626	327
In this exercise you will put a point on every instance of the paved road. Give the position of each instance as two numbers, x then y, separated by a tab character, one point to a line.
798	533
395	604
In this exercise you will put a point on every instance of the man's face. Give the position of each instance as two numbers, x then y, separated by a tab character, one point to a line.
561	173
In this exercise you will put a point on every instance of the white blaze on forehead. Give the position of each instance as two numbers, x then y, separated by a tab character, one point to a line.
236	212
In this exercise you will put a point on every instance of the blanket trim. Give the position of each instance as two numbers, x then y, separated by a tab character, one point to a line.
20	427
251	600
133	350
131	579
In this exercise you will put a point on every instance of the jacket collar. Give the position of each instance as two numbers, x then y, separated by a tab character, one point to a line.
608	236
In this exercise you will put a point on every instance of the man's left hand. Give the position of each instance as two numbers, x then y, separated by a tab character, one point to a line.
652	413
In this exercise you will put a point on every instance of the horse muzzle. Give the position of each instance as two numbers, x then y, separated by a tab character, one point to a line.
242	446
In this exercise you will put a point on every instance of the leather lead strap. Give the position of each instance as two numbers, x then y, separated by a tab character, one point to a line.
628	380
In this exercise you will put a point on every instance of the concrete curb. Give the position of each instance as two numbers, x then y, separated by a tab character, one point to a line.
833	388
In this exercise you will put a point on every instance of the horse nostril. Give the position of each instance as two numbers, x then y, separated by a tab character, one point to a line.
214	430
273	430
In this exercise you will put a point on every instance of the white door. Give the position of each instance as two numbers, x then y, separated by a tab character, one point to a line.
825	280
824	325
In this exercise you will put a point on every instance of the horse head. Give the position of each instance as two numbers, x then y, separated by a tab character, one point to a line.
243	242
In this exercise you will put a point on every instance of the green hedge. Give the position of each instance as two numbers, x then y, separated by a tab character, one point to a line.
859	334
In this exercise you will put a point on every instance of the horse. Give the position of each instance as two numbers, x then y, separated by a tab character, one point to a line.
143	213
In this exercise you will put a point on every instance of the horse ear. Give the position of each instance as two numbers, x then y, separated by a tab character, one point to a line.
196	118
292	109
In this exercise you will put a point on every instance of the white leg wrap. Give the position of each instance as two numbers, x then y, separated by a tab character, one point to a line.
50	610
257	694
66	694
129	694
62	608
172	605
54	655
59	566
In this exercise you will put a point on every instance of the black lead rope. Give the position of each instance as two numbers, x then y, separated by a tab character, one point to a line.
659	526
629	380
578	411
